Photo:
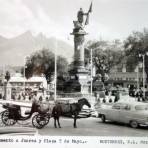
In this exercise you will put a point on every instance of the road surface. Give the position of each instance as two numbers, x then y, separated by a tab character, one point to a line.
86	127
91	127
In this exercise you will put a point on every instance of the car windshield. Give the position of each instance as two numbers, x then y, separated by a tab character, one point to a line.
121	106
141	107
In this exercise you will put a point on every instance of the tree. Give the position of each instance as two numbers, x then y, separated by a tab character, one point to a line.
135	44
105	55
42	62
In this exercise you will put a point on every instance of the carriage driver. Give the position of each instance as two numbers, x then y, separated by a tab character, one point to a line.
44	107
34	98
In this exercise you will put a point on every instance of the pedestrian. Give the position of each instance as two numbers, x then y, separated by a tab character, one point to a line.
141	93
98	100
40	98
137	94
19	97
29	97
106	92
143	99
34	98
110	100
47	99
104	100
139	99
117	96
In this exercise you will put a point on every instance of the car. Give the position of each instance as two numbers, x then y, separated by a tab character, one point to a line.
132	113
126	98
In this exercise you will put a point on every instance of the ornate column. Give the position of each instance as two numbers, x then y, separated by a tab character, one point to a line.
79	74
79	49
79	69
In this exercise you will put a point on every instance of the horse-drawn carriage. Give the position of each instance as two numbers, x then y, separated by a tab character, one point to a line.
12	114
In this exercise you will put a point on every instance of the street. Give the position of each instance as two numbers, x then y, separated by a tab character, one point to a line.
87	127
91	126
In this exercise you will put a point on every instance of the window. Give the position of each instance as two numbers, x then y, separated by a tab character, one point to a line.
125	107
116	106
141	107
121	106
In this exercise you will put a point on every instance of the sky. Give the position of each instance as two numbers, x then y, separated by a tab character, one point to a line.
109	20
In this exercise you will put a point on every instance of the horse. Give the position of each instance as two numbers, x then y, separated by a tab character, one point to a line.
72	109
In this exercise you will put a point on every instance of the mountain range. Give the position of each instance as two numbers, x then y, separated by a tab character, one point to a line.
14	50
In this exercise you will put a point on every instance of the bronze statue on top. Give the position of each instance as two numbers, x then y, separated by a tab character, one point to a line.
79	24
80	16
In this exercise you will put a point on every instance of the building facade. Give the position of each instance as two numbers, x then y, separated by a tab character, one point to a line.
125	78
20	87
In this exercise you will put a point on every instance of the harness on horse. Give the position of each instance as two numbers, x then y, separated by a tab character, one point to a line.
74	107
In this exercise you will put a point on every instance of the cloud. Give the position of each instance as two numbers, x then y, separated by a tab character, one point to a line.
13	14
17	18
109	19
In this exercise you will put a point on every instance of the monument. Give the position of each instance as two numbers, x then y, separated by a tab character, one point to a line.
79	72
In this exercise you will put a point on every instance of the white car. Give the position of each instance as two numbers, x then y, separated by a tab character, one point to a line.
133	113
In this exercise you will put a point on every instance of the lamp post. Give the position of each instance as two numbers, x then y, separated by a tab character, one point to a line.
55	71
25	72
91	74
91	69
4	81
143	63
138	76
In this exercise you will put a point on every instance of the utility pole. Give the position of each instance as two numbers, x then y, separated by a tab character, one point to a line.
24	73
55	71
143	75
137	77
91	74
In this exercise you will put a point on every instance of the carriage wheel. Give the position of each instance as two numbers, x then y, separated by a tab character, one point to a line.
6	118
39	121
43	119
34	122
134	124
1	123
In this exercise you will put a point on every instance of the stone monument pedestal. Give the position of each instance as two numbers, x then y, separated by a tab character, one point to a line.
79	72
81	75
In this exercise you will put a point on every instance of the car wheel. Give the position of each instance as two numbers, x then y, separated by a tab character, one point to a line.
134	124
103	118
